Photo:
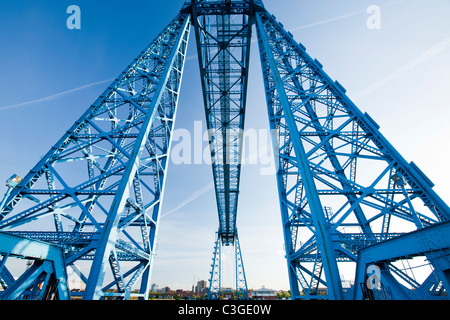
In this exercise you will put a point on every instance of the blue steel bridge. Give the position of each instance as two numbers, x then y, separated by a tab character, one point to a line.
342	187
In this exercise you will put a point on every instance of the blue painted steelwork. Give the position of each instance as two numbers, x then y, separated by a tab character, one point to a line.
342	186
215	291
432	242
97	192
322	239
223	32
215	282
45	279
223	45
241	292
346	195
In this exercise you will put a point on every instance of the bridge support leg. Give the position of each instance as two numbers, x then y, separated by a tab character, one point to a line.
215	290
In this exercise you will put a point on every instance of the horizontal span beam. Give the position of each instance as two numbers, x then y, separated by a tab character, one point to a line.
435	237
432	242
17	246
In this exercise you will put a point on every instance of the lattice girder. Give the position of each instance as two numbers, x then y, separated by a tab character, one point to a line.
343	189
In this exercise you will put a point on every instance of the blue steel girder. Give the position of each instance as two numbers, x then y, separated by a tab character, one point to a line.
241	279
97	192
215	289
432	242
344	190
45	279
215	282
337	175
223	34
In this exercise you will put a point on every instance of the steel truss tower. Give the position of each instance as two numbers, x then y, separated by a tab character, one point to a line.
348	199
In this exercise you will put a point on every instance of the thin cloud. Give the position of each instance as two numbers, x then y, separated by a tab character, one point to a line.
428	55
190	199
318	23
341	17
191	57
55	96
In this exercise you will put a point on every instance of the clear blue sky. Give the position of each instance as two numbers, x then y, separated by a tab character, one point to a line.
398	74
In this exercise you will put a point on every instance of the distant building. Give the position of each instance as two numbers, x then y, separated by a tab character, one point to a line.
201	287
264	294
165	290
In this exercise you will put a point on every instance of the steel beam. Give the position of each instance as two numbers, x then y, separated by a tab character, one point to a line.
110	233
223	47
432	242
102	183
97	193
333	167
49	261
323	238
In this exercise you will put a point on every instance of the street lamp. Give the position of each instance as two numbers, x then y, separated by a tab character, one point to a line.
13	181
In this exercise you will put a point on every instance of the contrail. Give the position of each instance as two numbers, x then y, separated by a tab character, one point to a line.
58	95
348	15
341	17
318	23
429	54
190	199
208	187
